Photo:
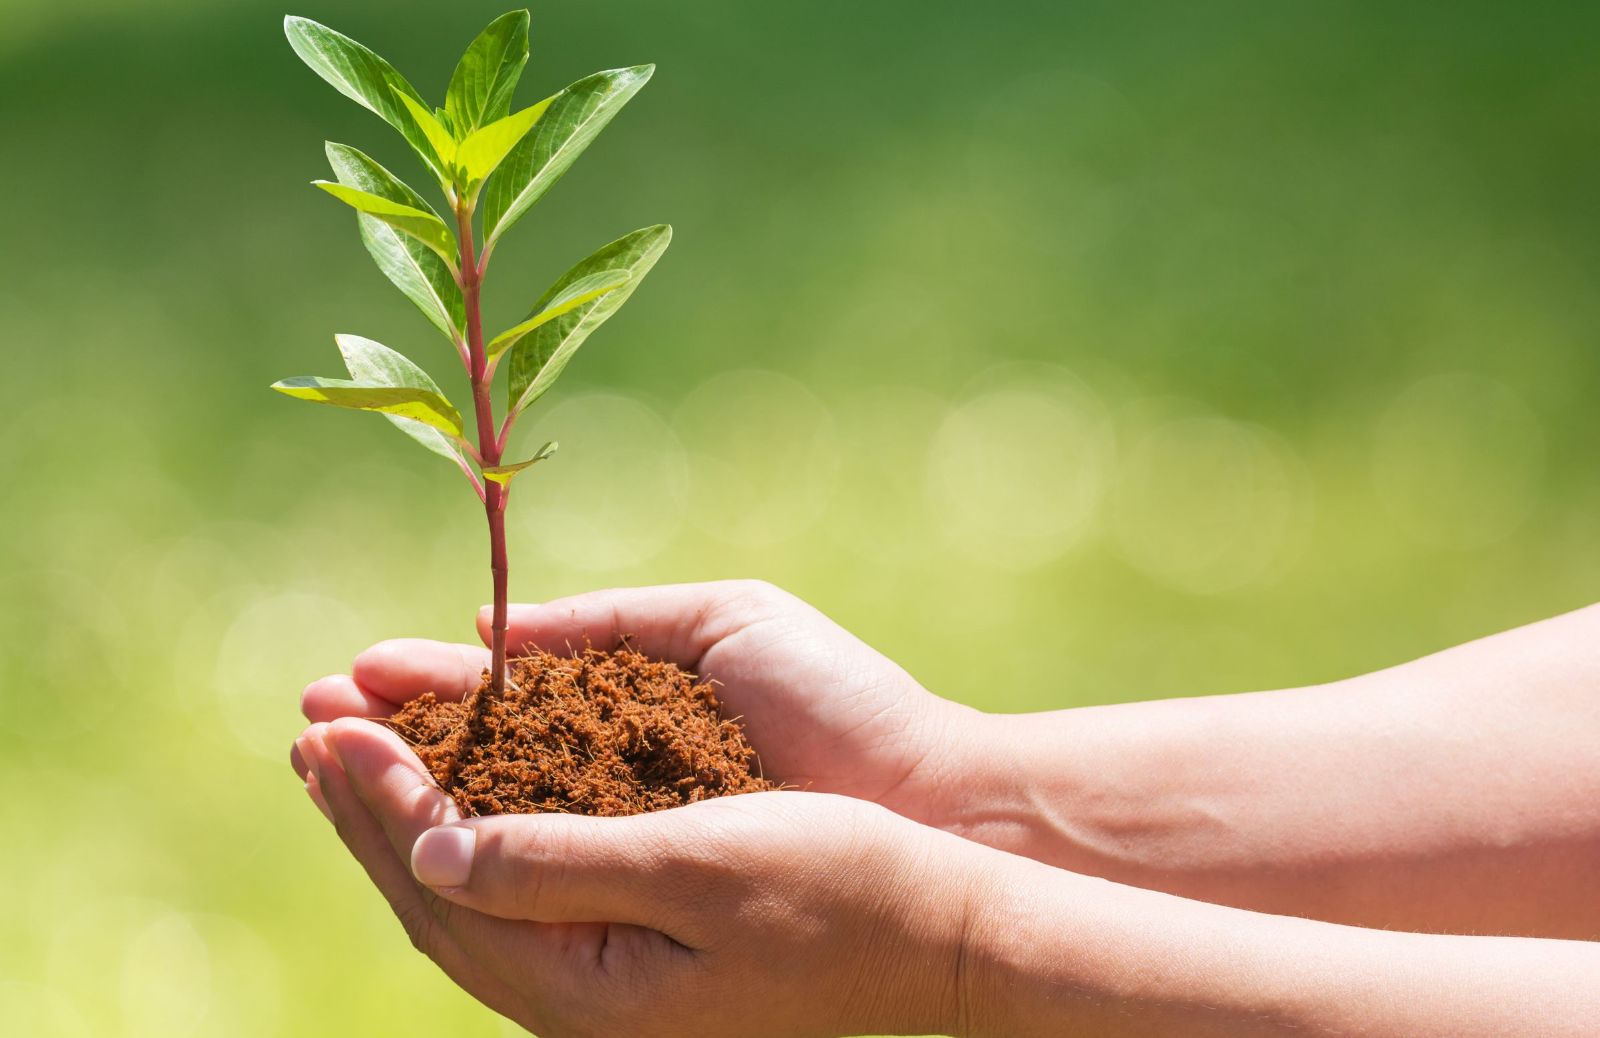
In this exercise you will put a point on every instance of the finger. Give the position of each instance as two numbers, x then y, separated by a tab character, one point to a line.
338	695
389	779
314	791
306	744
555	868
402	799
675	622
401	669
366	840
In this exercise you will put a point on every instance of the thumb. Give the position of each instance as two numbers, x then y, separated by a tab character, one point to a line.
549	868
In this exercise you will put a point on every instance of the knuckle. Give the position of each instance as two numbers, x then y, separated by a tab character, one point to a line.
533	870
439	909
761	592
750	600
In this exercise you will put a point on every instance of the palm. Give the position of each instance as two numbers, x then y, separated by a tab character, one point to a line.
824	711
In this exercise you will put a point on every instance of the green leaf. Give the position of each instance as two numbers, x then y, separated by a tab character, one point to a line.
418	404
362	76
376	364
383	381
442	140
502	473
421	224
570	298
481	152
538	359
576	116
415	268
481	86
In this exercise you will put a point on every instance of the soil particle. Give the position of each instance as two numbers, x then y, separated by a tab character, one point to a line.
597	733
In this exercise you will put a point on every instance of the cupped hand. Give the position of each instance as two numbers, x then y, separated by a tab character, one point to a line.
825	712
782	914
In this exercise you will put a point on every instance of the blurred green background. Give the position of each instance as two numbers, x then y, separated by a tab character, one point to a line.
1068	352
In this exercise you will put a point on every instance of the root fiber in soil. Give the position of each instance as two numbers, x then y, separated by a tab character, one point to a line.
596	733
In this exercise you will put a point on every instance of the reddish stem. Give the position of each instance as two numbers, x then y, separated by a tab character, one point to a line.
489	444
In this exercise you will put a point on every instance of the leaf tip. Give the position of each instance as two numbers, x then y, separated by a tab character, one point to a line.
295	29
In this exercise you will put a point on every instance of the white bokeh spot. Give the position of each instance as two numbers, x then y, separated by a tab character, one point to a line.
1207	504
763	456
273	647
166	979
1016	473
1458	461
615	493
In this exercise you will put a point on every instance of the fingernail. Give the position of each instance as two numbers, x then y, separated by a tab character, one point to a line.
307	753
442	856
314	791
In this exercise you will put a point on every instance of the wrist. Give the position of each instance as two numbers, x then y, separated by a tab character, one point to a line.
989	794
1062	788
999	899
913	973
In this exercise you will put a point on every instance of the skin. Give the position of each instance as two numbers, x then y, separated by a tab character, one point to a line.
950	871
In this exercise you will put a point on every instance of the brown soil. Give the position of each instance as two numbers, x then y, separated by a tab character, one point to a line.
598	733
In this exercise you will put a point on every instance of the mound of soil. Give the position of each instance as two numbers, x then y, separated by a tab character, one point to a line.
597	733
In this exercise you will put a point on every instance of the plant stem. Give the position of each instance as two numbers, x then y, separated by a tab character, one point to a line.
489	445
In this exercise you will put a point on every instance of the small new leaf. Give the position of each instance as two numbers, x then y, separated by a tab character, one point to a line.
362	76
576	116
418	271
480	88
502	473
584	290
420	224
442	140
538	359
481	152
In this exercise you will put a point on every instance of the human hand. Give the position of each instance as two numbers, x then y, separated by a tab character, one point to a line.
824	711
782	914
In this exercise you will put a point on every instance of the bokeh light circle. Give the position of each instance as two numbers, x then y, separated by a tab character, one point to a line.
1206	504
34	1009
1458	461
56	619
881	514
1016	472
274	646
166	979
615	493
763	456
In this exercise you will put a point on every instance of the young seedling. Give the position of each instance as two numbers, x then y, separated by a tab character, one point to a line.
479	151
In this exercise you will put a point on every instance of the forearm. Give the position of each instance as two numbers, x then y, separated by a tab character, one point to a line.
1053	953
1456	793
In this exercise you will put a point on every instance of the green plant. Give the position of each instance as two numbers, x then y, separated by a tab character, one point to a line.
478	150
